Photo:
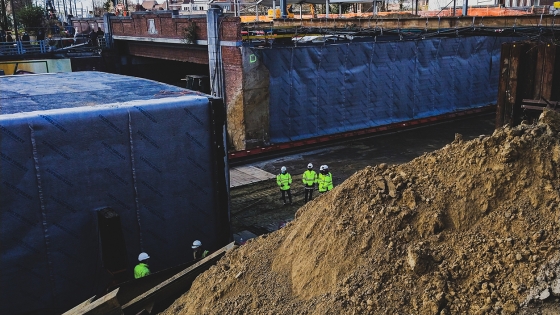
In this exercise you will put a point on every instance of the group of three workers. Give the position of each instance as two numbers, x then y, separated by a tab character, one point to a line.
310	178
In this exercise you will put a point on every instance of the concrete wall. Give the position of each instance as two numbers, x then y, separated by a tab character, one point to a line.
256	99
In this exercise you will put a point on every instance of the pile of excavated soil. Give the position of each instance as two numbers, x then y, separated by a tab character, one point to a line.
473	228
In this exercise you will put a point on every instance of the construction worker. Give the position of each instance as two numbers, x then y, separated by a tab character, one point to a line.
309	179
142	270
324	179
198	251
284	180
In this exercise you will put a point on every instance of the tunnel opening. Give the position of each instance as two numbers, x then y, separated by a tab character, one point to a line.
189	75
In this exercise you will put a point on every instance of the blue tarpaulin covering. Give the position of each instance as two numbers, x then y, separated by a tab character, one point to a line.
328	89
151	160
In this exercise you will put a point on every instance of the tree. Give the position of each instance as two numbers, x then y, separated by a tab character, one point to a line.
5	23
108	5
31	17
345	7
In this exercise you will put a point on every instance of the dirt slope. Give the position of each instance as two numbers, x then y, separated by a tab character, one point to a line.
473	228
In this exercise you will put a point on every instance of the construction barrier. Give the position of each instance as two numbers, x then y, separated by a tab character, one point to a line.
76	143
319	90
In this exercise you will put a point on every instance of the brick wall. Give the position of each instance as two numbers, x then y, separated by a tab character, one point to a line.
168	26
233	81
179	53
84	25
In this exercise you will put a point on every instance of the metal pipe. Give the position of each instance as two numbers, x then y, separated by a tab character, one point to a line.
465	7
65	11
327	9
454	6
215	53
58	9
283	12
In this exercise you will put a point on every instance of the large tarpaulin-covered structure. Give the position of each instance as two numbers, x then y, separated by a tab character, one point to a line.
74	143
318	90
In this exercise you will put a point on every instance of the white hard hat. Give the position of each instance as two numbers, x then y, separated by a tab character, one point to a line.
283	169
309	166
322	167
196	244
143	256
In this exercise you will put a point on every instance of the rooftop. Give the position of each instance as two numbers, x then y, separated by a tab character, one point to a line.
27	93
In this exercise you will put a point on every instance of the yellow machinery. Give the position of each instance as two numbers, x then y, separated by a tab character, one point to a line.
277	13
274	13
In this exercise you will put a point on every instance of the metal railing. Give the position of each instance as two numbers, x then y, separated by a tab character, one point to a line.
46	46
21	47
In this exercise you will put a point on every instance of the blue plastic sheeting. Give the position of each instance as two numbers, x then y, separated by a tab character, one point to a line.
323	90
152	161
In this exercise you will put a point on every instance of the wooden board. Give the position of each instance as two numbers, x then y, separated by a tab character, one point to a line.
106	305
244	175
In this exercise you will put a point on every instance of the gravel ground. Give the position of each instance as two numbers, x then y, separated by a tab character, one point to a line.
258	207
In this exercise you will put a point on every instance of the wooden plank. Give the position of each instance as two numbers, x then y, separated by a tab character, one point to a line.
178	283
555	95
256	172
511	92
78	308
539	72
503	83
548	69
534	102
532	107
525	79
106	305
245	175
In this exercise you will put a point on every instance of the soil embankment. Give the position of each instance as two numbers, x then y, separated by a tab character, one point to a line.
472	228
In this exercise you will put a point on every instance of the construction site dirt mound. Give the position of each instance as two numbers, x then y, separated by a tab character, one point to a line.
473	228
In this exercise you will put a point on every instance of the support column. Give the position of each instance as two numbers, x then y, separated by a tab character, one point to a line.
283	12
108	29
215	53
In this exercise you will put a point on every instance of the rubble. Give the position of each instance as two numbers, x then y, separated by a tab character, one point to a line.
473	228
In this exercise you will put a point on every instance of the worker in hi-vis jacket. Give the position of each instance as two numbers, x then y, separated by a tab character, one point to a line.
284	180
309	179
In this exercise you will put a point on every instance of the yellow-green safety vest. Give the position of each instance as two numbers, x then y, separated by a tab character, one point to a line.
325	182
141	270
284	181
309	178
